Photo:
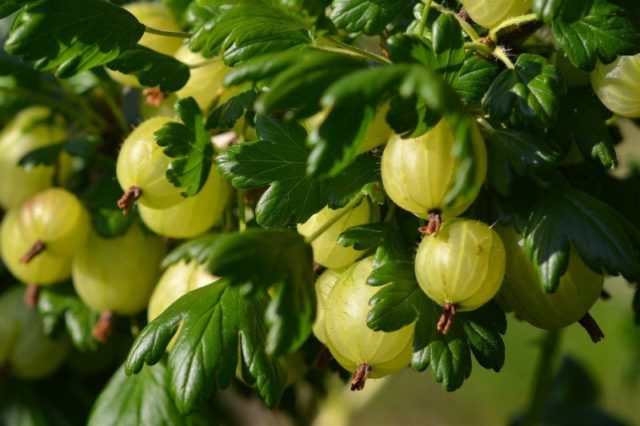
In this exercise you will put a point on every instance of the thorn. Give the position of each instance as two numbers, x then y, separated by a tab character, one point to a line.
104	327
31	296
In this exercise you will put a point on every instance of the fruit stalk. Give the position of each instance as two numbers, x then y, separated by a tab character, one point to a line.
104	327
31	296
591	326
38	247
176	34
360	377
446	319
353	203
129	198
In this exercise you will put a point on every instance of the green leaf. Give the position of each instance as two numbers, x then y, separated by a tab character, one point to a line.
46	155
277	257
152	69
526	96
397	303
248	28
302	84
127	400
225	116
483	329
583	123
280	161
368	16
213	321
602	237
190	145
448	356
592	30
71	36
514	153
9	7
60	308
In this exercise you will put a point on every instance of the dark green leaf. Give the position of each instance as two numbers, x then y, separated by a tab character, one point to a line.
602	237
526	96
132	400
277	257
483	329
46	155
301	85
61	308
248	28
280	160
225	116
397	303
190	145
213	321
9	7
592	30
152	69
365	237
72	36
448	356
368	16
512	153
583	123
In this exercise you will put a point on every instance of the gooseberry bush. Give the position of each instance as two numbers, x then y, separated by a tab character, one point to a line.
204	194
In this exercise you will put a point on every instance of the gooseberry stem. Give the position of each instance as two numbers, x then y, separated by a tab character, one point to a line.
591	326
344	47
446	319
174	34
512	22
543	378
37	248
242	216
130	196
433	227
360	377
425	15
353	203
31	296
104	327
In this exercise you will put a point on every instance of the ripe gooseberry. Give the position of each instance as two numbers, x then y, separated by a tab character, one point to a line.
490	13
417	173
461	268
33	128
324	284
141	169
357	348
117	275
25	349
618	86
326	249
578	291
194	215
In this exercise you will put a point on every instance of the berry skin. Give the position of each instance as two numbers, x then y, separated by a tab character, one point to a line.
417	173
34	127
24	347
159	17
326	249
205	83
193	216
490	13
579	288
618	85
352	343
324	284
39	238
118	274
461	268
143	165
